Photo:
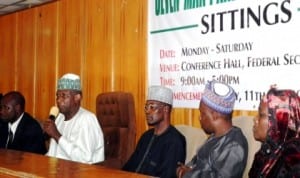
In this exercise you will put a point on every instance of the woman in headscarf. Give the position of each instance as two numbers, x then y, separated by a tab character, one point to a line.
277	126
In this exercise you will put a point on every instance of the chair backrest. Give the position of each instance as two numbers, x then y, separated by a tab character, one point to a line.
246	125
116	115
194	137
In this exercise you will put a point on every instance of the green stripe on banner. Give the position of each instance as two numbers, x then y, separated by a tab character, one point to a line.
298	8
174	29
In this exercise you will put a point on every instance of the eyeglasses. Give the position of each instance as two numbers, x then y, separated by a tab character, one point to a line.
152	107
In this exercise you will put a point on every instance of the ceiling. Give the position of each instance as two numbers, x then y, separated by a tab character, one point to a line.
10	6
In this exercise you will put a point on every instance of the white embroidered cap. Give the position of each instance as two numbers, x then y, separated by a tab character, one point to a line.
219	96
69	82
161	94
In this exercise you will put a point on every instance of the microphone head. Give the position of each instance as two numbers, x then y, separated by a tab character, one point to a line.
53	112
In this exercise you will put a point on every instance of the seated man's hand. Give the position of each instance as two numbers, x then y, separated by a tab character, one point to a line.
51	129
181	170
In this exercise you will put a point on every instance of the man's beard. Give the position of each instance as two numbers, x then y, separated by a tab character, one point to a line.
155	122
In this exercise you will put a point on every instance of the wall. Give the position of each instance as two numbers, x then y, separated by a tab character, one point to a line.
102	41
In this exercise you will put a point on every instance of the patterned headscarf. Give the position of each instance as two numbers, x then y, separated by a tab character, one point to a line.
282	136
283	115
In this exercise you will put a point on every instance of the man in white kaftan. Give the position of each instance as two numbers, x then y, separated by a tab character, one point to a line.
80	140
75	134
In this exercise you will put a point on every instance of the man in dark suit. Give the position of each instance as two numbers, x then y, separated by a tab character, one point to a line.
19	130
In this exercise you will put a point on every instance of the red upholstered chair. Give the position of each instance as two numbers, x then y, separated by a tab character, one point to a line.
116	115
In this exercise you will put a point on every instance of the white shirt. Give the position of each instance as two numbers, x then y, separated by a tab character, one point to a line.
81	140
13	126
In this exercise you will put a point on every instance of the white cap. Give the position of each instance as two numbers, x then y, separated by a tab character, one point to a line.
161	94
69	82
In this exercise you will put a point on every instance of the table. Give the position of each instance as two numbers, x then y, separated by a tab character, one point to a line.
29	165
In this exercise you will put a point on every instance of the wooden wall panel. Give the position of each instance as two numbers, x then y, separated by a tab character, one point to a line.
99	58
140	65
8	53
46	54
129	45
26	56
71	35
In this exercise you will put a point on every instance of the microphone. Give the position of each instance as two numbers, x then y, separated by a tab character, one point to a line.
53	113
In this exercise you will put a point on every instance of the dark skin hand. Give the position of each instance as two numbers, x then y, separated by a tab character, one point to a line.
182	169
51	129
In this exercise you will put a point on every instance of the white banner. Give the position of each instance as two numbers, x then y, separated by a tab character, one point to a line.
249	44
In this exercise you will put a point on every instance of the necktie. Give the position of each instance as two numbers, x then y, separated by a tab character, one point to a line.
10	138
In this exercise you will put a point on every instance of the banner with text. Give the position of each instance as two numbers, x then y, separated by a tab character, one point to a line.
249	44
